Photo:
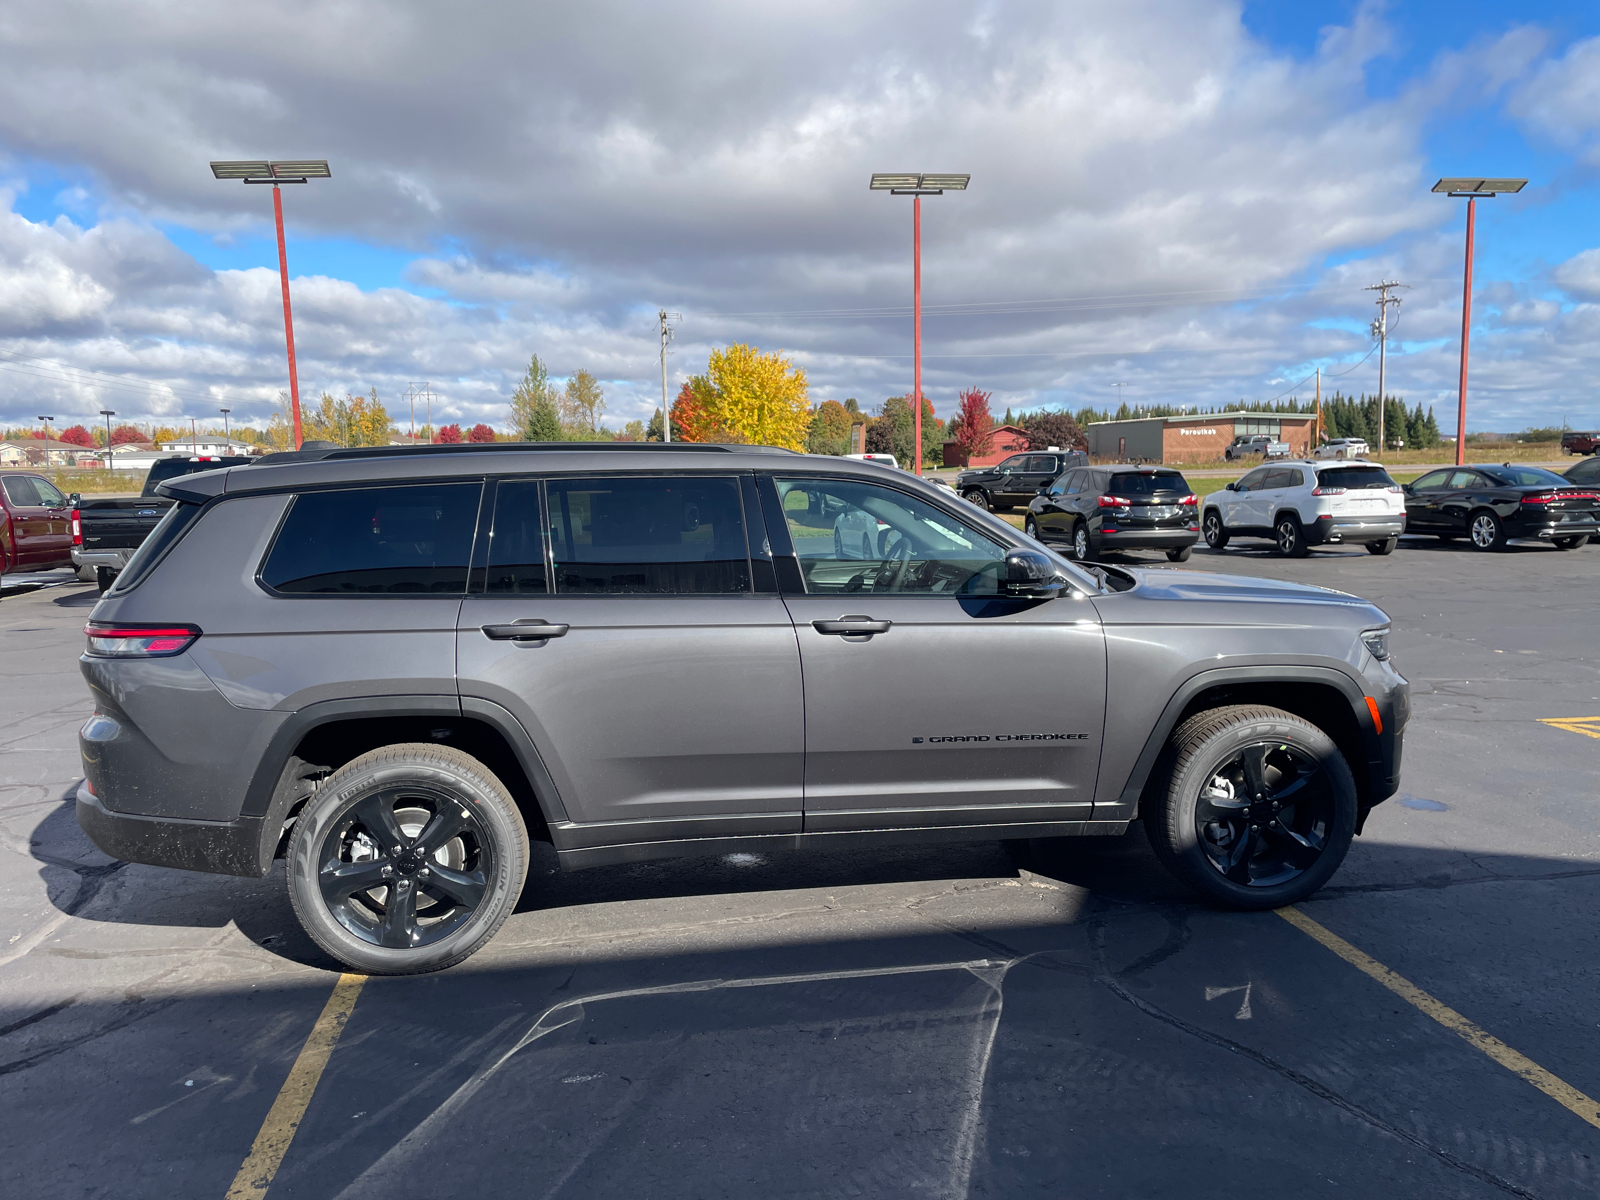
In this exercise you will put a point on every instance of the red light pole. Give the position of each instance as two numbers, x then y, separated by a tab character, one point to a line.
1472	190
917	186
276	173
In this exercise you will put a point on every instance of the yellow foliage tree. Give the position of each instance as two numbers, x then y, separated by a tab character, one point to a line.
760	397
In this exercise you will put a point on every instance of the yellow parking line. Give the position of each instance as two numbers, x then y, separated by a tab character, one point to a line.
277	1131
1588	726
1518	1064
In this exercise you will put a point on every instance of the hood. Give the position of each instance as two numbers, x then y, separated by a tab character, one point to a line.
1159	584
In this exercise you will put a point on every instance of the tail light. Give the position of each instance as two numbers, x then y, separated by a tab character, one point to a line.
1553	497
138	641
1191	499
1328	491
77	527
1113	502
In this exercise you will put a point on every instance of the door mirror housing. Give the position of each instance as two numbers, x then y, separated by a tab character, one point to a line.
1231	487
1029	573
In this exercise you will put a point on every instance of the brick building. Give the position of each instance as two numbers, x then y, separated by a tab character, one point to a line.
1008	439
1194	439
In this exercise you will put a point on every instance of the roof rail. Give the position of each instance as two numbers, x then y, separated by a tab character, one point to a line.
324	453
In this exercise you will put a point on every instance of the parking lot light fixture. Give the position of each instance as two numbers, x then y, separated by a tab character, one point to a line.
917	186
299	170
47	421
1472	190
227	439
108	413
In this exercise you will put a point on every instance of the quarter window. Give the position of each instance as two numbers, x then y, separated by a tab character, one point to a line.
855	537
516	545
646	535
412	540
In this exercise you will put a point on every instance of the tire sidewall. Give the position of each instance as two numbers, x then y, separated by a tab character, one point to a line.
976	496
496	812
1213	518
1499	529
1180	846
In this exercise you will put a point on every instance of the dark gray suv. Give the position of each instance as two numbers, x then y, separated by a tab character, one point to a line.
393	668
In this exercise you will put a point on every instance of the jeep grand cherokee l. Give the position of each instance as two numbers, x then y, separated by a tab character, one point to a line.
395	667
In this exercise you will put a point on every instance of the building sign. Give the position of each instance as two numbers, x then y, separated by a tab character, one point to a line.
1186	432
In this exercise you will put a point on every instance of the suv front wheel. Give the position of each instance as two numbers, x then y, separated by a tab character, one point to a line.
976	496
1259	810
407	859
1216	533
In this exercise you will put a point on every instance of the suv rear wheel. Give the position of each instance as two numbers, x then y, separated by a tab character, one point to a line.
407	859
1259	810
1386	546
1082	547
1291	539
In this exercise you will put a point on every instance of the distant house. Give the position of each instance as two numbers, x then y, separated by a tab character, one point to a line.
1007	440
207	446
13	454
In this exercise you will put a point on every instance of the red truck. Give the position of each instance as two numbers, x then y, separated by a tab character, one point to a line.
1576	442
35	524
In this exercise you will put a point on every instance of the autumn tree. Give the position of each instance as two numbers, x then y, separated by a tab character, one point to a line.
696	413
535	414
448	434
481	433
581	404
1046	429
829	431
353	421
123	434
976	430
76	435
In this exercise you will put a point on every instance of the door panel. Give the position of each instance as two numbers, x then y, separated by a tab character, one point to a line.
969	707
30	523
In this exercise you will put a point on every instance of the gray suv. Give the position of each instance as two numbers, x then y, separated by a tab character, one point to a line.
395	667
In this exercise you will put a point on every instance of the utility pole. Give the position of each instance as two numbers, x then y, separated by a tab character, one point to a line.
424	392
1316	431
1380	330
1119	387
666	340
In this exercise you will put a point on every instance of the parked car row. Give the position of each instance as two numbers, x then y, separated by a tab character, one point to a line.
1301	504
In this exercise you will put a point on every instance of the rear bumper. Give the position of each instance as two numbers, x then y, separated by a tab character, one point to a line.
1149	539
115	559
1331	530
219	847
1545	531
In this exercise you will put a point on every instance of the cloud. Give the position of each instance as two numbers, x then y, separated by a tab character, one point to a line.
1561	100
562	172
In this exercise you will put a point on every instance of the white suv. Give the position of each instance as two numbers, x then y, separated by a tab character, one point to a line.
1342	448
1303	504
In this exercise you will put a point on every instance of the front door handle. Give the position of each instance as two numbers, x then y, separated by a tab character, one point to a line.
524	630
852	625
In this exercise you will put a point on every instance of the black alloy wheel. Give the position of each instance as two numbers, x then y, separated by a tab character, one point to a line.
1214	531
1488	532
976	496
1290	538
407	859
1386	546
1260	809
1572	543
1082	547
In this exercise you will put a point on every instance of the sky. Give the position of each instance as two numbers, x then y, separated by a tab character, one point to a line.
1172	201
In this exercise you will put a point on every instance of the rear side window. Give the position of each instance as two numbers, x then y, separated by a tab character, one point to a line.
1148	483
21	492
383	541
642	535
177	522
1529	477
1355	478
516	547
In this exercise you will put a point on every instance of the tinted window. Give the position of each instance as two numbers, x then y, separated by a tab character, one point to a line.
1356	478
172	526
1148	483
1282	478
1043	463
1254	480
648	536
516	546
1527	477
854	537
1433	479
1017	462
413	540
1075	482
1059	487
21	492
1465	479
1587	471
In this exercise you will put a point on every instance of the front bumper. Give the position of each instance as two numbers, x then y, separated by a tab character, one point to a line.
1331	530
219	847
115	559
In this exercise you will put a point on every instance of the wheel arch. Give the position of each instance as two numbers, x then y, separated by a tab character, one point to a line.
321	738
1329	699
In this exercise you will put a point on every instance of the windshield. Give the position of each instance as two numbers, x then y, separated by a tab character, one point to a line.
1525	476
1148	483
1356	478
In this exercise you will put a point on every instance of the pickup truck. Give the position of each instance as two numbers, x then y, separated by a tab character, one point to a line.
106	531
34	531
1247	447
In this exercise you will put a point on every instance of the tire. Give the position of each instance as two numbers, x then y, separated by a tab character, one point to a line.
1249	856
88	574
104	577
1082	544
1384	547
1289	537
1572	543
1216	533
1486	529
1030	527
1182	555
976	496
394	795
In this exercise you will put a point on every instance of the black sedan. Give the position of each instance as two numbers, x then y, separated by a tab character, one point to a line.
1092	509
1494	504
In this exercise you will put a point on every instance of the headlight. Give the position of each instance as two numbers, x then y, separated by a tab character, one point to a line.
1377	641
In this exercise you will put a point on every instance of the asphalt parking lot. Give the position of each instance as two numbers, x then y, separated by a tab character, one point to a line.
943	1022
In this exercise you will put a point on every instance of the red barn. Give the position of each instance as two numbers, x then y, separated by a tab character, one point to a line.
1008	439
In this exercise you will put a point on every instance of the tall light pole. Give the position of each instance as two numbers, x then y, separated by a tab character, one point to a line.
276	173
1472	190
47	421
227	439
108	413
918	186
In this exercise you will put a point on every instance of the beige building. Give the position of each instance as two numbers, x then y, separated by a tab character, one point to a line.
1194	439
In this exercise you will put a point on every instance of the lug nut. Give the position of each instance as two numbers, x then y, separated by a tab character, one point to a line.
423	872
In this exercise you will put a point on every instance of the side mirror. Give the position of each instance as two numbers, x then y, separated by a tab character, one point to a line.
1231	487
1406	488
1029	573
74	500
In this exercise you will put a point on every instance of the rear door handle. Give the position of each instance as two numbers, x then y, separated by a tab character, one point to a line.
525	630
849	625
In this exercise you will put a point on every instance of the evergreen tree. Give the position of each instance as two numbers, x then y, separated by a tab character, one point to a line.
1008	419
1434	437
